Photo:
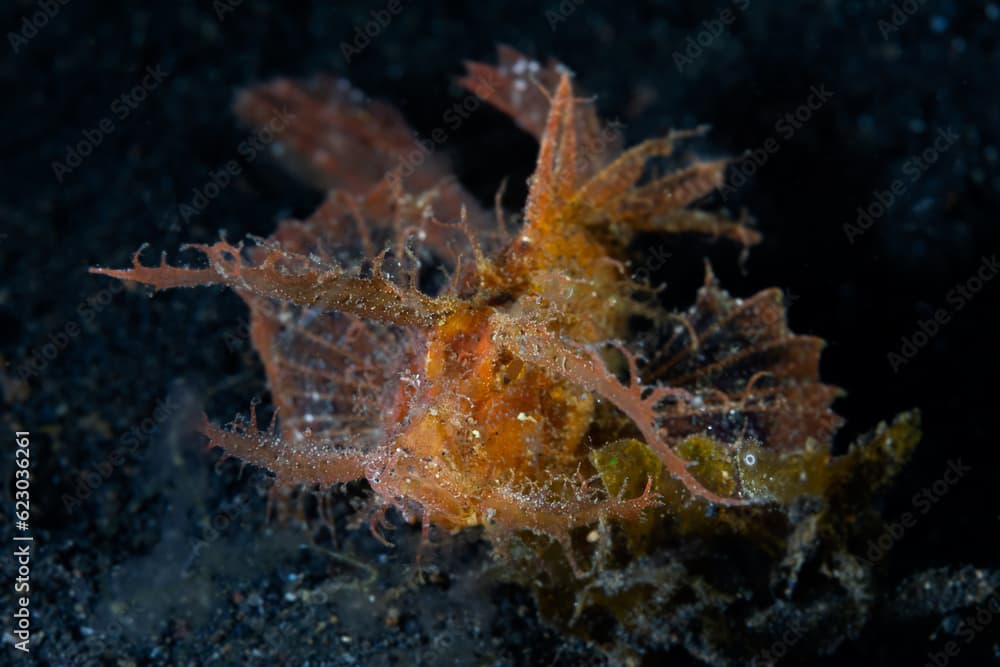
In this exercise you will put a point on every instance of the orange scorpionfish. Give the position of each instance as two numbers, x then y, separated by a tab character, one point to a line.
485	401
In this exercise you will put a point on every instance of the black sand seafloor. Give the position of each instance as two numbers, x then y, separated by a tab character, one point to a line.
117	116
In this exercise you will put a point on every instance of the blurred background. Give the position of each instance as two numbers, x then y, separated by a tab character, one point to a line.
873	172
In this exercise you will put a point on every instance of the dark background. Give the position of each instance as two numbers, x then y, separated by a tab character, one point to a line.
113	573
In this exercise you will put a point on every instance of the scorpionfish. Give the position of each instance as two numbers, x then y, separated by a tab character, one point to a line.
514	393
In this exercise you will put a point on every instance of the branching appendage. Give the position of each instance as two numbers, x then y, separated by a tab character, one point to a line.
584	367
294	279
612	195
304	461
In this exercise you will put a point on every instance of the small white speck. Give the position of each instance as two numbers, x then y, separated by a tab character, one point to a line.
750	459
